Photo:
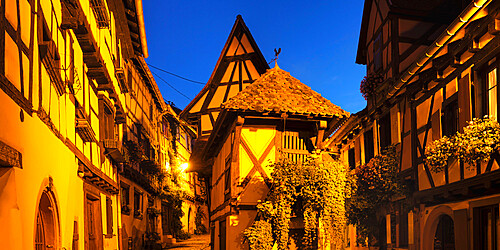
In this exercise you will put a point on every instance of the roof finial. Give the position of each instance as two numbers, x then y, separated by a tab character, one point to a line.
276	53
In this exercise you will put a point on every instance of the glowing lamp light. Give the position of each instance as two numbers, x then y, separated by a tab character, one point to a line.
184	166
167	166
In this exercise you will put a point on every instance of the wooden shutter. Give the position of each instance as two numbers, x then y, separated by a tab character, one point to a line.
461	229
464	102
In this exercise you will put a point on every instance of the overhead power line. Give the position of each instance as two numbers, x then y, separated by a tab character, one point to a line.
181	77
170	85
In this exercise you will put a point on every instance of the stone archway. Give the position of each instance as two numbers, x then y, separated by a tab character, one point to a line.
47	222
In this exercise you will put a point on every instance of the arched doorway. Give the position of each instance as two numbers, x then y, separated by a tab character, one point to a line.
444	238
46	234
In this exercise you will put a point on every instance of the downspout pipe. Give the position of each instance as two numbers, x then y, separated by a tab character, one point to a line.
142	29
454	27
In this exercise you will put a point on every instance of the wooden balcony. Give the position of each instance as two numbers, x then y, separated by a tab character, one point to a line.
100	13
120	75
84	129
113	148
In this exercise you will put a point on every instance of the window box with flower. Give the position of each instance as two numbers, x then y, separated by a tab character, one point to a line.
479	141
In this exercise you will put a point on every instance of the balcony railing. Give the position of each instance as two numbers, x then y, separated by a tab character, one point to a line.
84	129
114	149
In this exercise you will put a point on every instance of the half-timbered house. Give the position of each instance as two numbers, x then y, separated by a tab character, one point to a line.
239	64
75	87
248	118
431	68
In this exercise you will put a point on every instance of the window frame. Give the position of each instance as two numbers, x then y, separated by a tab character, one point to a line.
385	131
22	97
369	147
138	203
448	128
125	198
484	96
351	158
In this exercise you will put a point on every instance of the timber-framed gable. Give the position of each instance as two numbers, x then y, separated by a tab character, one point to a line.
239	64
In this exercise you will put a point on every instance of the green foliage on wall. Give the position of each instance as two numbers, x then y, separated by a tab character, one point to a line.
198	221
480	139
320	184
374	184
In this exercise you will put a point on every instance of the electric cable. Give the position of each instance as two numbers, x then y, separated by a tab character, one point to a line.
170	85
170	73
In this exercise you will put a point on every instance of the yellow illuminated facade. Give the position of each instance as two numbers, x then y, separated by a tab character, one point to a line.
75	94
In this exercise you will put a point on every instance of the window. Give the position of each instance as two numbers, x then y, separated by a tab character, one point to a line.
15	37
49	56
137	204
369	149
486	227
107	122
385	131
125	197
450	116
492	92
377	52
351	155
109	217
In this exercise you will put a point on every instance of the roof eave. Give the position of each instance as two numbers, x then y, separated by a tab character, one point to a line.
360	54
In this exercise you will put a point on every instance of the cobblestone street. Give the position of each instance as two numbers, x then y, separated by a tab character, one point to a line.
194	243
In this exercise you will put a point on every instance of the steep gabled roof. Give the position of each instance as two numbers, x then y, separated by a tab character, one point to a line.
240	46
277	91
435	11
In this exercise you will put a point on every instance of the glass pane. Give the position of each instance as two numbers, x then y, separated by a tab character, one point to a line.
492	93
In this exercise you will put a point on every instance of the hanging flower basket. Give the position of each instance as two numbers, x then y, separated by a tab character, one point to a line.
369	84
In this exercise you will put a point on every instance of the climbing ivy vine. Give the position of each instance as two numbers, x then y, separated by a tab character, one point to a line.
315	190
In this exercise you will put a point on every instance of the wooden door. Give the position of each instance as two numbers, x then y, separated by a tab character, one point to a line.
486	224
46	235
222	235
93	228
40	233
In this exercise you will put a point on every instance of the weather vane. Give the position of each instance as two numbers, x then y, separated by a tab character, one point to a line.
276	53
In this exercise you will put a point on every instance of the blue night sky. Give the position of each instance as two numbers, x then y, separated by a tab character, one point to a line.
318	40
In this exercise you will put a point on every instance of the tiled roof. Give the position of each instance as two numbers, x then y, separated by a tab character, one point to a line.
277	91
